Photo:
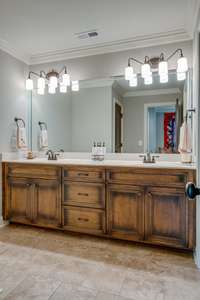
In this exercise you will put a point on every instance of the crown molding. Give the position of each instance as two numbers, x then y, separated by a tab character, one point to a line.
6	47
99	82
193	17
152	92
169	37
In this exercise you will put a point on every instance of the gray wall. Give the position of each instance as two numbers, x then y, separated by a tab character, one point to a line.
91	118
55	110
105	65
13	100
133	126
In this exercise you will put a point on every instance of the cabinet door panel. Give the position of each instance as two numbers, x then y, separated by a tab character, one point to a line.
20	198
47	203
165	215
126	212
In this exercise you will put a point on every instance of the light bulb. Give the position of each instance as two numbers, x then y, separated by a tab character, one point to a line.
66	79
53	81
41	83
181	76
128	72
182	65
163	68
146	70
148	80
75	86
41	91
63	88
52	89
133	82
29	84
164	78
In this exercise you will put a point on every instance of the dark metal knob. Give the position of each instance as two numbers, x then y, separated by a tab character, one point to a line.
191	190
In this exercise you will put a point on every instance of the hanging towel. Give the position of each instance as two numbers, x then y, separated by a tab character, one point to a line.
21	138
185	145
43	139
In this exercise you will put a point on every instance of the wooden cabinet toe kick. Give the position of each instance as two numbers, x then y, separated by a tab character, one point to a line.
135	204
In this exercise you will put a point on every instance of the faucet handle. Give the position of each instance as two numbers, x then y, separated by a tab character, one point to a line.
155	156
143	156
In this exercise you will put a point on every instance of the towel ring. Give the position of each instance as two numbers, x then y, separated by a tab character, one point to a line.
42	125
18	120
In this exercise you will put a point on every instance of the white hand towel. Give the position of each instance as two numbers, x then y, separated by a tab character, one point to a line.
21	138
43	139
185	145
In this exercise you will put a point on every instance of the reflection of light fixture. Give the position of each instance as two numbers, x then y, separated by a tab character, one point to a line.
133	81
159	63
53	79
75	86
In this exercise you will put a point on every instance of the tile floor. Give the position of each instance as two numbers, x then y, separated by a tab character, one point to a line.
42	264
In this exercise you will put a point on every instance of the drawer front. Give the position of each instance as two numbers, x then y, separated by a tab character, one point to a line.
84	220
84	194
84	174
147	177
34	171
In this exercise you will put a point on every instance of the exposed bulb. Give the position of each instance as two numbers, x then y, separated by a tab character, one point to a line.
182	65
133	82
53	81
41	91
164	78
66	79
52	89
63	88
29	84
181	76
163	68
128	72
146	70
75	85
41	83
148	80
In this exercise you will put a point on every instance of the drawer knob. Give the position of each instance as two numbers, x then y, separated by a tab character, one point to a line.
83	219
83	174
83	194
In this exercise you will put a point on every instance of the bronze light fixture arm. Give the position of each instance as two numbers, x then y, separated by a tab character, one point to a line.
179	50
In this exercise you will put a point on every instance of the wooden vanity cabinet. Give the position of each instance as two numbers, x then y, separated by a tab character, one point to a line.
83	199
125	212
31	199
150	205
138	204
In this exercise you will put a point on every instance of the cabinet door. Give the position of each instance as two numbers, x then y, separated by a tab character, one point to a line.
47	203
20	200
126	212
165	216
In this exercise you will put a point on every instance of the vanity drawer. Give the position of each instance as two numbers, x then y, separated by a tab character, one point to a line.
34	171
84	220
84	194
147	177
84	174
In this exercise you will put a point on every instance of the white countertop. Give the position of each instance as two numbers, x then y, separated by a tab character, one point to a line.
105	163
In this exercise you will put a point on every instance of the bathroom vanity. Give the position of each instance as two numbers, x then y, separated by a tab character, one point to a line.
123	200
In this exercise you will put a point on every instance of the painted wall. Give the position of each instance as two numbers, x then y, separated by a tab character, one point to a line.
55	111
13	100
101	66
133	126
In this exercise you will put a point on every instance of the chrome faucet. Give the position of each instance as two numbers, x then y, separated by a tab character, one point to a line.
148	159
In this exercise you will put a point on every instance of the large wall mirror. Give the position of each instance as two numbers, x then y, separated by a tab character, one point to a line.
127	119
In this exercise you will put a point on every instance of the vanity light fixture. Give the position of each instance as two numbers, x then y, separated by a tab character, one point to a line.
154	64
53	80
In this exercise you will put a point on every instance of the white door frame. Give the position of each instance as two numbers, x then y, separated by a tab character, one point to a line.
146	119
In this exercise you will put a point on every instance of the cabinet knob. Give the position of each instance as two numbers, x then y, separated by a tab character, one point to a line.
191	190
